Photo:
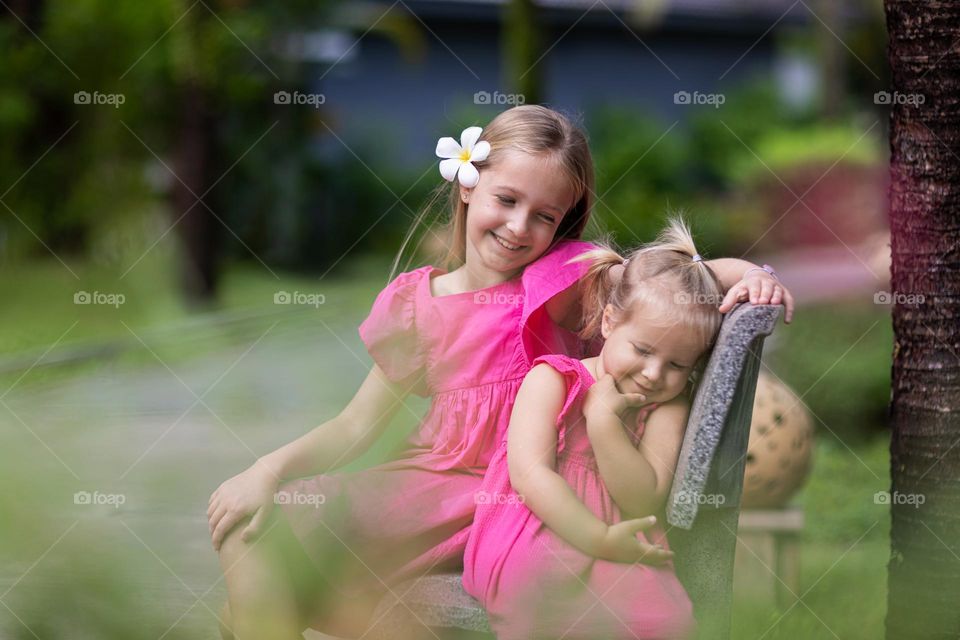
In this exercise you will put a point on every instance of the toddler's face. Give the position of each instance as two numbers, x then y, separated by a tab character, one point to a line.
514	210
647	355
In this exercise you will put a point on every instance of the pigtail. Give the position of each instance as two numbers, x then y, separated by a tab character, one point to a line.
668	274
676	236
699	282
605	270
698	285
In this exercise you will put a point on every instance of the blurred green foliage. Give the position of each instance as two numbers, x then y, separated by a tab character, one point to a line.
711	166
77	172
298	196
837	358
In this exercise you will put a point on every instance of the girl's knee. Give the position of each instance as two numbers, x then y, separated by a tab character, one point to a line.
232	548
257	569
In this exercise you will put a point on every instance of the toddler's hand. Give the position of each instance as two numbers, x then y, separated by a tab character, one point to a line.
622	545
248	494
759	287
605	401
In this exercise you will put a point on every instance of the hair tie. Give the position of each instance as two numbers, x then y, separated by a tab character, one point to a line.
626	261
697	258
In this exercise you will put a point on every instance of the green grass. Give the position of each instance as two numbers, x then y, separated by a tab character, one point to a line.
837	358
40	312
844	552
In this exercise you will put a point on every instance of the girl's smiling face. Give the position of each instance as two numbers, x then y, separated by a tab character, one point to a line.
648	354
514	211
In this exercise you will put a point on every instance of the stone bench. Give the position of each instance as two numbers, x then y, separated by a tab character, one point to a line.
702	510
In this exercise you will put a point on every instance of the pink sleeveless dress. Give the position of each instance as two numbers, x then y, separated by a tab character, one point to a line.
470	351
534	584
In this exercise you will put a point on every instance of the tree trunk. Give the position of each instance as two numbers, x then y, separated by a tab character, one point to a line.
924	568
60	233
522	49
833	57
195	162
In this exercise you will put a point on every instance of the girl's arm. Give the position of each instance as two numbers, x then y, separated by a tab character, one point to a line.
334	443
758	286
346	436
565	308
531	459
638	479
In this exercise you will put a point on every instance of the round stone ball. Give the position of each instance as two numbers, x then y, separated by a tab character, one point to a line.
780	449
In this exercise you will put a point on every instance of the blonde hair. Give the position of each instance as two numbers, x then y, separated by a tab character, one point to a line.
663	275
532	129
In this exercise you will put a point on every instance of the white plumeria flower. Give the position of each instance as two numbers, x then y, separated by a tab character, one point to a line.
460	157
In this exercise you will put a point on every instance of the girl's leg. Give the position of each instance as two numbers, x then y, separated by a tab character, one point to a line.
226	623
262	600
274	574
350	618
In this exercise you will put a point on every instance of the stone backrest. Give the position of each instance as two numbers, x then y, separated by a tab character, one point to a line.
704	503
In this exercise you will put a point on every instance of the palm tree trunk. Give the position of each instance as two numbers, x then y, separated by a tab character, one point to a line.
924	569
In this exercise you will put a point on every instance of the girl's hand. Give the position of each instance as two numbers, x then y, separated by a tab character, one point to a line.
620	544
248	494
605	402
759	287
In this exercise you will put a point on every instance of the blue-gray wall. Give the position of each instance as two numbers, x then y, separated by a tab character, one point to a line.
374	91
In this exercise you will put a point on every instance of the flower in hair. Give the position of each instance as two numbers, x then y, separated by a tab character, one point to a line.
459	158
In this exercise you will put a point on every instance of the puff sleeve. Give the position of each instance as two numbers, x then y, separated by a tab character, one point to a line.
390	331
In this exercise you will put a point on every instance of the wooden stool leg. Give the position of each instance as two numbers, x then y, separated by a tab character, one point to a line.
788	568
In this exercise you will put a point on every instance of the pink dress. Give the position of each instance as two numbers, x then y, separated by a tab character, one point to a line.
536	585
469	351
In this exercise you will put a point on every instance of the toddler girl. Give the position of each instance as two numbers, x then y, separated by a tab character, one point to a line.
557	543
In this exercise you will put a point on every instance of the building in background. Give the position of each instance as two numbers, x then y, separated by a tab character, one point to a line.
596	53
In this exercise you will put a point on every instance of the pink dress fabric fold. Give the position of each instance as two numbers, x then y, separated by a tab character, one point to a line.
468	352
535	585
